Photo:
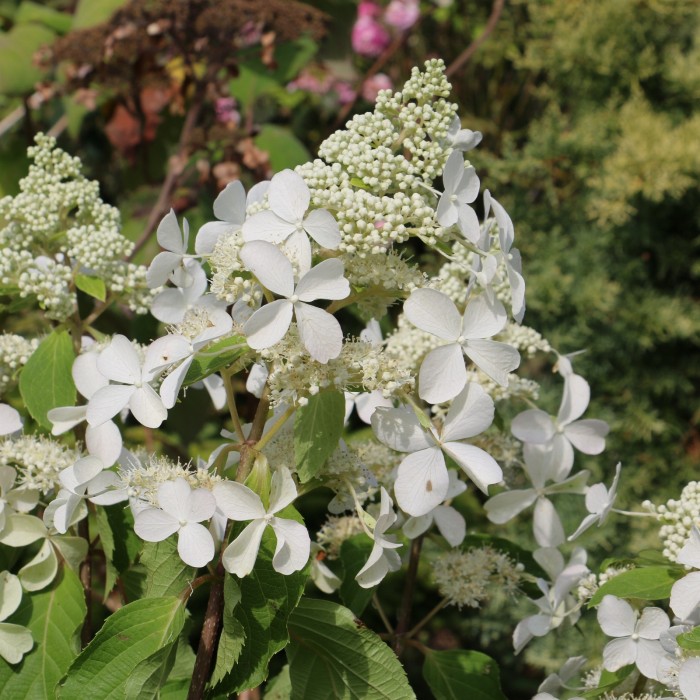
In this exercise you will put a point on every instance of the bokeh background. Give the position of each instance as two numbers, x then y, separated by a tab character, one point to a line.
589	111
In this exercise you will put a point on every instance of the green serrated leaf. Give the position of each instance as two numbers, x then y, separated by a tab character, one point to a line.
166	573
146	680
92	286
232	636
119	542
54	616
608	681
333	656
215	357
648	583
267	599
458	674
317	430
46	381
132	634
354	553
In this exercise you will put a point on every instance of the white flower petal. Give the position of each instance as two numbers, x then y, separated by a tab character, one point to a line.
169	235
202	506
652	623
267	226
533	426
15	642
451	524
433	312
283	490
366	404
155	525
588	436
174	498
495	359
479	466
415	526
239	557
616	618
119	361
293	546
161	267
649	653
690	553
421	481
269	324
442	374
505	506
289	196
323	228
63	418
87	377
270	266
195	545
685	595
170	305
400	429
689	679
619	653
468	223
170	388
107	402
147	407
230	204
574	400
470	414
238	502
297	249
483	318
324	281
209	234
10	594
319	331
547	527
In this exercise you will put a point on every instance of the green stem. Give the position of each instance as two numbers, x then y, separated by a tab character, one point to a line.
414	630
404	617
231	403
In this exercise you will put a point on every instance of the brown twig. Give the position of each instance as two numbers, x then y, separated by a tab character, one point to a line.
495	15
404	618
209	638
86	580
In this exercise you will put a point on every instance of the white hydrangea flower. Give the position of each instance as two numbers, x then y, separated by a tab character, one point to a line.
104	440
599	503
287	223
181	510
119	362
443	374
383	558
171	305
462	139
320	331
564	432
461	187
637	638
422	479
238	502
547	526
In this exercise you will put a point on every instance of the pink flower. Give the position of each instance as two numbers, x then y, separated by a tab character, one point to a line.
373	85
369	38
402	14
344	91
226	111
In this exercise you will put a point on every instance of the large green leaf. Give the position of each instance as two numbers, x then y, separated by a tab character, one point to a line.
648	583
54	617
18	71
458	674
128	642
284	148
165	573
232	636
354	553
37	13
46	381
215	357
333	656
267	599
317	430
280	687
